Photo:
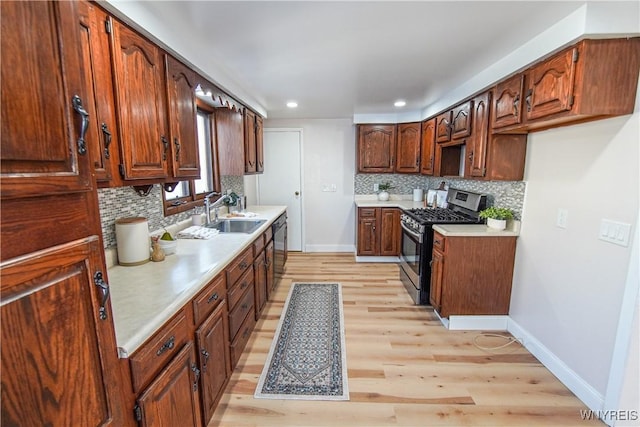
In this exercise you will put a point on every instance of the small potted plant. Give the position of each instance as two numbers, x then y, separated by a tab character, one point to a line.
497	217
383	191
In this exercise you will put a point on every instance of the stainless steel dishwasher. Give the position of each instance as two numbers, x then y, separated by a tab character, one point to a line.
279	228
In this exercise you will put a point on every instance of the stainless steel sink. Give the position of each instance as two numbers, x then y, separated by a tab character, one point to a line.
247	226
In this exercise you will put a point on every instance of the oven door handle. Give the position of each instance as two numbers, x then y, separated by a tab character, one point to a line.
412	233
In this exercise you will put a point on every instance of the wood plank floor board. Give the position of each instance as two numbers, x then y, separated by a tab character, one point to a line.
404	367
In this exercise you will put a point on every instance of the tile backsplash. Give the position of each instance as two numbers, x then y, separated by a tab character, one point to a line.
123	202
508	194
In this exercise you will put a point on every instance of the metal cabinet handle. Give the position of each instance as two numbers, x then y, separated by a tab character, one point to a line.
205	354
77	106
213	297
168	345
196	374
107	140
243	265
516	105
98	280
165	144
527	99
177	144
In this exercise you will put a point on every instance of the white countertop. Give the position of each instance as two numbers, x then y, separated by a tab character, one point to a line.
144	297
477	230
395	201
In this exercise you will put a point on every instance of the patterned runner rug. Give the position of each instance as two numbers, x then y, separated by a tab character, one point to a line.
307	359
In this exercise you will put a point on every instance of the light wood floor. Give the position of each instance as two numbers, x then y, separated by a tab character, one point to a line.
404	368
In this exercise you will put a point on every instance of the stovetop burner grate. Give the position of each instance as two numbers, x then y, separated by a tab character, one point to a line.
435	215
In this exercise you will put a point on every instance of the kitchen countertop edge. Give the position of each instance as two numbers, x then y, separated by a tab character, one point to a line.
133	287
477	230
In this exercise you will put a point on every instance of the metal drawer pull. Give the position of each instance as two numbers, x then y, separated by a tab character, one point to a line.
243	265
167	345
213	297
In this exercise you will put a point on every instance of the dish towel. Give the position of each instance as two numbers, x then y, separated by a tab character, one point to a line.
197	232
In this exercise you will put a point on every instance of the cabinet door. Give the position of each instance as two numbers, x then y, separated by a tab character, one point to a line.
550	85
269	258
435	293
367	233
260	271
376	148
213	353
443	127
172	398
183	112
408	148
249	142
59	358
507	102
102	135
259	145
43	144
428	147
477	143
389	232
230	134
461	120
140	81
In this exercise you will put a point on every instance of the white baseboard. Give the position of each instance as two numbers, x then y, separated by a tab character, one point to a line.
566	375
478	323
329	248
377	259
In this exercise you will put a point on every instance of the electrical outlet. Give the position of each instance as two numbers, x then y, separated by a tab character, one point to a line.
561	220
615	232
376	187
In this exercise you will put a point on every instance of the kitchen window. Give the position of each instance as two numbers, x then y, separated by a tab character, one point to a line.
189	194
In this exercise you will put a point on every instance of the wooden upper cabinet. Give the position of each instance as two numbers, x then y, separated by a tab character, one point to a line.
428	147
230	134
376	148
443	127
102	135
408	148
250	165
476	150
259	145
507	102
461	120
58	346
141	105
183	113
44	148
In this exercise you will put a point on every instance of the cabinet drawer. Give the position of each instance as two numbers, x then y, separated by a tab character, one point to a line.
367	212
239	266
209	298
258	245
268	235
238	290
438	241
237	315
158	350
237	345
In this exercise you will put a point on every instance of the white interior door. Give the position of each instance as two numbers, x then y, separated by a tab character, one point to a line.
280	184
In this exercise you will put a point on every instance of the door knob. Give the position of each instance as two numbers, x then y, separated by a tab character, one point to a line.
297	193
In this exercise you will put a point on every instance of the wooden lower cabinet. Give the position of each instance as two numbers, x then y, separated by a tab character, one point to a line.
260	269
212	339
472	275
172	399
378	232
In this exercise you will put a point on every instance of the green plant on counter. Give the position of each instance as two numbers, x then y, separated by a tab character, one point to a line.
385	186
496	213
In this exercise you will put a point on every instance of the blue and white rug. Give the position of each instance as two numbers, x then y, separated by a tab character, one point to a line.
307	359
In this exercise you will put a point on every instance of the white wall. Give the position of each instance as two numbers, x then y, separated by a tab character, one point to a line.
328	157
568	285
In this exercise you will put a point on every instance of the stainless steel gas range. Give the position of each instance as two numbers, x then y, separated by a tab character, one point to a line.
463	207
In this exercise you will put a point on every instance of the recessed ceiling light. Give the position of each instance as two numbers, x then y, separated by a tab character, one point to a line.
400	103
292	104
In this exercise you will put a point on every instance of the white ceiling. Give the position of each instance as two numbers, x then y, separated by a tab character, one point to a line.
337	59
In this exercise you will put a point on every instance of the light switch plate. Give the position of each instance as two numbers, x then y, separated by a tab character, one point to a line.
563	216
329	188
615	232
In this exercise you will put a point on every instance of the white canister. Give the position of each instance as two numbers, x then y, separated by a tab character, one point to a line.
132	238
418	194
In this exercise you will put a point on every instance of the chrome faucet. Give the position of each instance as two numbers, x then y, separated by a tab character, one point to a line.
215	205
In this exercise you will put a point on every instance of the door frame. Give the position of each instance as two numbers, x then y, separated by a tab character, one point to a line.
302	184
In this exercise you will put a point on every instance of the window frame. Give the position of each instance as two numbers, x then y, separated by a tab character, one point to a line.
182	204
